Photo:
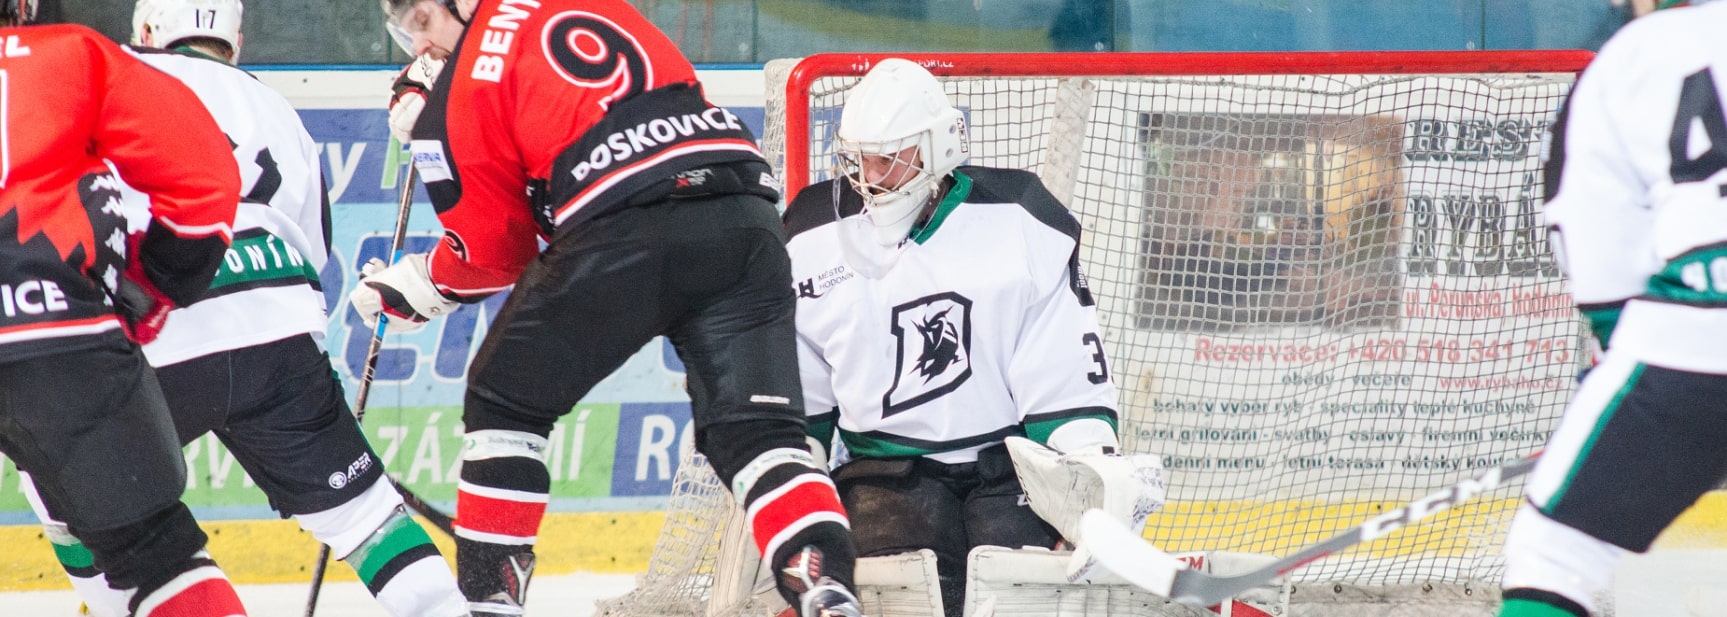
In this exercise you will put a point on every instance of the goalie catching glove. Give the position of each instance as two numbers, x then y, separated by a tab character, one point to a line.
1061	487
403	291
408	95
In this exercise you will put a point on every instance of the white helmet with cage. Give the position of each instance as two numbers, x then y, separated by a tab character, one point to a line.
896	108
162	23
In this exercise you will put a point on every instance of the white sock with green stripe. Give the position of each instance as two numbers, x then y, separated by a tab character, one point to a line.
390	552
91	585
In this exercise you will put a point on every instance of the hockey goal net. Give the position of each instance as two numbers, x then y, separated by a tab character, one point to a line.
1323	280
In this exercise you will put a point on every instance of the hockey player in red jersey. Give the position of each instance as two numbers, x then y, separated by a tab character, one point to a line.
79	408
577	122
246	362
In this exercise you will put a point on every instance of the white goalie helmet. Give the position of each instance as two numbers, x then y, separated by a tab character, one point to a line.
162	23
899	112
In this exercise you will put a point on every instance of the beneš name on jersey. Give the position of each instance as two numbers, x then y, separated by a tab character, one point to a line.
498	37
634	154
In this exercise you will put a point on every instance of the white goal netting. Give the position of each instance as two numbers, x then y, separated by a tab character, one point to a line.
1323	280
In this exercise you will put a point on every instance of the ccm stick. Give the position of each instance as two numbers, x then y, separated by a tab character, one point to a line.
1132	558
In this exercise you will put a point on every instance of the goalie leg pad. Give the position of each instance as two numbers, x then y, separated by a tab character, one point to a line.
1543	554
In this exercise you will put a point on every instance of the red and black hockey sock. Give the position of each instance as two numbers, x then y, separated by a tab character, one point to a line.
499	505
199	590
790	504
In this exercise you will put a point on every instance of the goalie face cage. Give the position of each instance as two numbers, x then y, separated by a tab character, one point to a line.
1323	277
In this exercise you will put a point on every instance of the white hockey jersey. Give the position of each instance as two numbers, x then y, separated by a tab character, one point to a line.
982	329
267	288
1639	197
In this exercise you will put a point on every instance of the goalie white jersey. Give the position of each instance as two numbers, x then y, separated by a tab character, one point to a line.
982	329
267	287
1640	207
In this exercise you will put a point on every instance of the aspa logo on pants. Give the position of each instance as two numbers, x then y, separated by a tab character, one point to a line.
359	466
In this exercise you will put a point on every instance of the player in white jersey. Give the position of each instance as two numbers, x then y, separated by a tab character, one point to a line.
247	361
941	309
1638	213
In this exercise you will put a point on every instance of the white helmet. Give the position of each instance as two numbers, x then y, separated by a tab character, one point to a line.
162	23
898	105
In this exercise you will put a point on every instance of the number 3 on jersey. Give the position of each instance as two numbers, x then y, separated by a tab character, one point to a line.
1100	375
1699	107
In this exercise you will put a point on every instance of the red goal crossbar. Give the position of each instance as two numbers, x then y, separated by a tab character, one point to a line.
1147	64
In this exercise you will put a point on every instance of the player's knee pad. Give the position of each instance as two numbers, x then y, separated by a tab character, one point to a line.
345	527
1546	556
140	554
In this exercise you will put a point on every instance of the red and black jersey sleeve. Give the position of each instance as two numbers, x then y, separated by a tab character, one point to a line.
74	100
552	112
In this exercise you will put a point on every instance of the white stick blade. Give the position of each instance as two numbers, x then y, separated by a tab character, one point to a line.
1127	554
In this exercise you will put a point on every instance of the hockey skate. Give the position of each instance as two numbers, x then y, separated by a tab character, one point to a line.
819	596
828	598
516	570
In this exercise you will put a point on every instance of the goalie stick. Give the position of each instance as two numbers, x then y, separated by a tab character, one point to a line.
1131	557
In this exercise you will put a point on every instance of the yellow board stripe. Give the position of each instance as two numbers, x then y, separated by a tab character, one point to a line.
277	551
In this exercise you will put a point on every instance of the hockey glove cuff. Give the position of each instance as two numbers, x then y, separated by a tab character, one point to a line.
403	291
408	95
143	308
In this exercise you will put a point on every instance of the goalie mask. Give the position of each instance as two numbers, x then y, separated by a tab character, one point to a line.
898	139
163	23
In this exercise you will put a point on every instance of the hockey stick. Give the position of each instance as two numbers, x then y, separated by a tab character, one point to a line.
373	351
1131	557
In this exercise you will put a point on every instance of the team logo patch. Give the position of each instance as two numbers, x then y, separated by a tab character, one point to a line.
591	51
934	357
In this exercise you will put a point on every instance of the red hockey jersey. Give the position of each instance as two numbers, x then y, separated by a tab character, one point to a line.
552	112
69	100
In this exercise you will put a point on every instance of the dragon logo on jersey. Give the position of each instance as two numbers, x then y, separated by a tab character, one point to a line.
934	350
591	51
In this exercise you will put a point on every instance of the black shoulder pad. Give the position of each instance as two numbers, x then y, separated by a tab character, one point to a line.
814	206
996	185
